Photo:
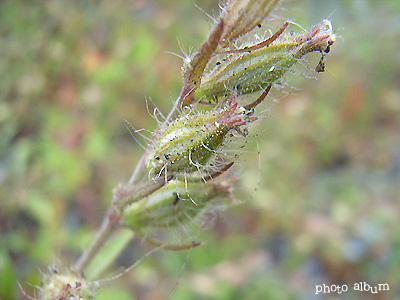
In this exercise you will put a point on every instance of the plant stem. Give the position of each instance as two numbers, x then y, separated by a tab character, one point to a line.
105	231
123	197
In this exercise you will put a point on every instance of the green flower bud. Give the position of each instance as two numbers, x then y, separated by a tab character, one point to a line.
252	69
194	142
193	67
166	209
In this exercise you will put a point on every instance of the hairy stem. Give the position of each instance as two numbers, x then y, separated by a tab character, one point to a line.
123	196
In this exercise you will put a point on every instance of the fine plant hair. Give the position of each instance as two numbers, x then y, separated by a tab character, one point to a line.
188	162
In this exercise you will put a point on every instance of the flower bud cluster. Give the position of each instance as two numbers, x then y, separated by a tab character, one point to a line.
192	148
187	158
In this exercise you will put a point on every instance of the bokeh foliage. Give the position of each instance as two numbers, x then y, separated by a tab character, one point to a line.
327	209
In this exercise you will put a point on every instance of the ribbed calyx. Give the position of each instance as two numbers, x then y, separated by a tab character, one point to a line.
253	68
173	206
193	143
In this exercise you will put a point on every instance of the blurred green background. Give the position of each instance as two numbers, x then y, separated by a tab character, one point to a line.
327	209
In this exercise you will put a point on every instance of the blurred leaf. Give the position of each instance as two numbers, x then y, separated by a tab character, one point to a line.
8	278
108	293
108	254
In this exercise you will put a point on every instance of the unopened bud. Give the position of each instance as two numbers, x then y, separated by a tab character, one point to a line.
194	142
252	68
193	67
173	205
